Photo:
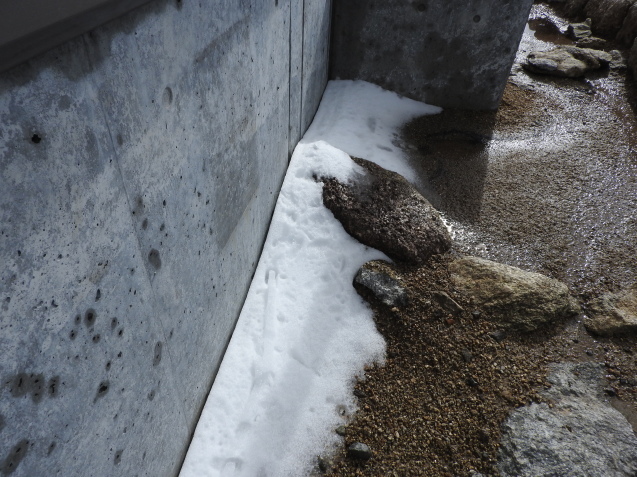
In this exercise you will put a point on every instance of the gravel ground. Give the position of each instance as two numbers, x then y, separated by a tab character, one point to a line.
547	183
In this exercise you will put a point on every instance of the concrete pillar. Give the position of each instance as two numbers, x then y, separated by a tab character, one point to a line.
452	53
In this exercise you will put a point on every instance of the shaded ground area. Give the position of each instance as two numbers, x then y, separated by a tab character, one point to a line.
548	183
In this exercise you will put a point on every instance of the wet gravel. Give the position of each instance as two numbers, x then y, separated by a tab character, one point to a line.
547	183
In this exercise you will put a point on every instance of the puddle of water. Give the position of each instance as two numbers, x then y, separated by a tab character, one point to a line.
546	31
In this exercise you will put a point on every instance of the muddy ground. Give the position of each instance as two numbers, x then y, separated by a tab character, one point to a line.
547	183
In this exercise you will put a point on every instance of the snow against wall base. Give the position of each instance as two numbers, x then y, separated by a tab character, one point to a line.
287	377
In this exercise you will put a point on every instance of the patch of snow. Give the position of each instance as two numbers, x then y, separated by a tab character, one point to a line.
363	120
304	334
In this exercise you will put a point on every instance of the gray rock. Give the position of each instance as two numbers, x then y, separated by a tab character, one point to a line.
607	15
619	60
376	276
628	31
383	210
581	434
512	297
325	463
579	31
613	314
341	430
359	451
566	61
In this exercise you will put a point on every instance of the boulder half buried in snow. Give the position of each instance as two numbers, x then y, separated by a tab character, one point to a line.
383	210
614	314
512	297
566	61
376	277
580	434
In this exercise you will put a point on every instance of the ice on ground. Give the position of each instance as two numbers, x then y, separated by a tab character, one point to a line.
304	333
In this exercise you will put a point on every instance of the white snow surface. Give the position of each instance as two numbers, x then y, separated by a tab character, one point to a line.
304	334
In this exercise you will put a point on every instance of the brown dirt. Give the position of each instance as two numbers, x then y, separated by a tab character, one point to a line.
547	183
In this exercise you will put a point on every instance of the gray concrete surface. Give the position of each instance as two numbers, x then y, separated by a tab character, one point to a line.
139	167
450	53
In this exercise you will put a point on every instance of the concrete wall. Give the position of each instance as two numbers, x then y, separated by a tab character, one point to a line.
452	53
139	167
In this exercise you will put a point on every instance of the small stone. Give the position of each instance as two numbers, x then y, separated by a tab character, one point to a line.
467	355
498	335
614	314
476	314
341	430
359	451
578	31
610	392
446	302
325	464
471	382
374	276
589	352
360	394
450	321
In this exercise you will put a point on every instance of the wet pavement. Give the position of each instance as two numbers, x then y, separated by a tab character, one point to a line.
548	182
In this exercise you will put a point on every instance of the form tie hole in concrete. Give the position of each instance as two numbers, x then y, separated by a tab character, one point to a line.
35	139
476	19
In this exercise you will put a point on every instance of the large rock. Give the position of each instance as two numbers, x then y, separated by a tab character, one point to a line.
628	31
566	61
581	434
607	15
575	8
378	278
632	60
510	296
613	314
383	210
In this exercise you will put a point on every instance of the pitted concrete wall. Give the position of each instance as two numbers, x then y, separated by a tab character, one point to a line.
139	167
452	53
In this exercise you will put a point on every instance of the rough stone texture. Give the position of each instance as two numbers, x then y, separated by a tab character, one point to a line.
377	277
581	434
383	210
613	314
575	8
450	53
592	42
632	59
510	296
607	15
578	31
359	451
628	31
139	167
566	61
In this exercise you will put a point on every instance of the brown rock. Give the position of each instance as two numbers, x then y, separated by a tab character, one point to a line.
592	42
628	31
614	314
607	15
383	210
513	297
